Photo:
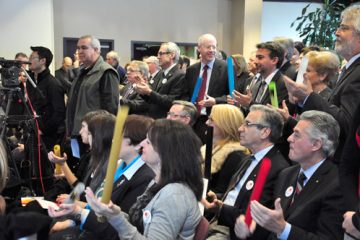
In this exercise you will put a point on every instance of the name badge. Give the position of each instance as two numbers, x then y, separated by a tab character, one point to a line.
147	216
289	191
249	185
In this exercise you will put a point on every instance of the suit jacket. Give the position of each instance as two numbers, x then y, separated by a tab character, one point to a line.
165	91
342	103
228	214
124	195
282	93
289	70
316	213
218	85
349	167
242	81
156	79
136	104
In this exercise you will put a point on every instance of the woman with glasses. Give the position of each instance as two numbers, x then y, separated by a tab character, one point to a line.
169	207
137	72
227	152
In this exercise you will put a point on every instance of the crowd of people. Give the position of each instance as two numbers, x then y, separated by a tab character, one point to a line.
183	121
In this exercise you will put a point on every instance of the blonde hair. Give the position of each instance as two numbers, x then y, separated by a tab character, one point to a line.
228	119
324	62
3	166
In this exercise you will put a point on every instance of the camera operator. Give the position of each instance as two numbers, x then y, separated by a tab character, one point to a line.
47	100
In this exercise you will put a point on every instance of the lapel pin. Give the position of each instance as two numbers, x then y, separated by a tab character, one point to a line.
164	81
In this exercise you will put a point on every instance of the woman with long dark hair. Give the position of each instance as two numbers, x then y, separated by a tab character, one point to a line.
169	207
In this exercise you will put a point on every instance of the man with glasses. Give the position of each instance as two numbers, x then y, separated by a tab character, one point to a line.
169	87
183	111
214	81
97	86
137	71
344	98
261	129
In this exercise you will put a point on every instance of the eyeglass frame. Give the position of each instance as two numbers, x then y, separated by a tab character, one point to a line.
163	53
248	124
173	115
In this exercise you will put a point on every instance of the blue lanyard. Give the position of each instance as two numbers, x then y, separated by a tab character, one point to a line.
120	170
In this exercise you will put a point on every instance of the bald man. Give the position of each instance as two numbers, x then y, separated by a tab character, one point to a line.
65	74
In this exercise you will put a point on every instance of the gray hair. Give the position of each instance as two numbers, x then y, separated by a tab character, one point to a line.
142	66
94	43
205	36
271	119
172	48
287	44
153	60
114	55
189	108
352	14
324	127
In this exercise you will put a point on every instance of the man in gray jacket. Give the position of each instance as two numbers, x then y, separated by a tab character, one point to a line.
96	87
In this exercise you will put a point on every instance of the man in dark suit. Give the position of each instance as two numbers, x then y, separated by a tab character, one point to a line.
262	127
215	84
169	88
269	57
345	96
287	68
155	72
309	201
65	74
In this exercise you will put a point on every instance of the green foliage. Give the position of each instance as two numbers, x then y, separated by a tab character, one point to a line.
318	27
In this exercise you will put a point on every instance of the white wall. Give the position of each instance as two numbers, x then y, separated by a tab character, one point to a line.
277	18
25	23
148	20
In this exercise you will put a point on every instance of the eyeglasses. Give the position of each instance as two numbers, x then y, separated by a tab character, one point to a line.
83	47
173	115
162	53
248	124
344	27
129	70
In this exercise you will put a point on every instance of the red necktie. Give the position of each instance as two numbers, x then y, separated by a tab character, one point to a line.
258	186
202	88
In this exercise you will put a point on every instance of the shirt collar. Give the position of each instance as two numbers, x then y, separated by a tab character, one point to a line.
311	170
353	59
129	173
210	64
166	71
260	154
270	77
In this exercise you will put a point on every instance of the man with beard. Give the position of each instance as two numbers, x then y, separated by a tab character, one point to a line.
344	98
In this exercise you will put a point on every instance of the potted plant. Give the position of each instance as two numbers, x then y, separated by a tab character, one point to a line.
318	27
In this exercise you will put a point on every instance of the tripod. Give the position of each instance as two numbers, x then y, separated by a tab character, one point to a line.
31	166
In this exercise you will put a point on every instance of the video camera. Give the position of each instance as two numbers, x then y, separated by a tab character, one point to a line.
10	70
